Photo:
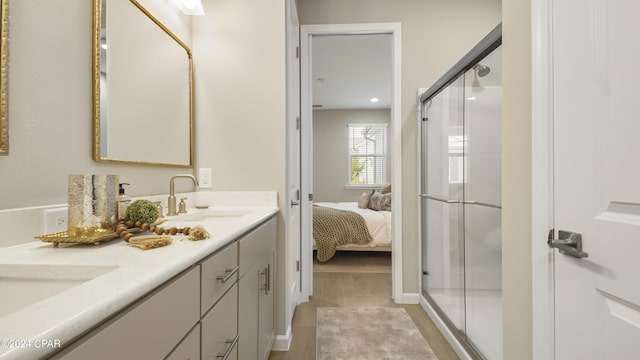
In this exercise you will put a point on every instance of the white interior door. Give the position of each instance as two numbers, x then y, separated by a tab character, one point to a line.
597	177
294	150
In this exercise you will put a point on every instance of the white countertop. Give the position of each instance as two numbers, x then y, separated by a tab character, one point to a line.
66	315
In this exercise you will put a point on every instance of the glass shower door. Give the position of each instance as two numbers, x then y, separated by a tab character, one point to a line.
441	197
482	206
461	206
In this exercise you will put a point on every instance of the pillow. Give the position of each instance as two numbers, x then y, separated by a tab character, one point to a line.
363	201
380	201
385	189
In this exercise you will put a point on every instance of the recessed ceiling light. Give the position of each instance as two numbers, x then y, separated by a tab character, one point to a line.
190	7
374	100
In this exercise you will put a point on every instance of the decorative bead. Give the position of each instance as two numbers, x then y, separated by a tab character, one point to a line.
186	230
138	223
144	227
127	236
173	231
129	223
152	228
159	230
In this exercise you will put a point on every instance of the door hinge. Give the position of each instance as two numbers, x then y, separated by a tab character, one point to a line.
298	123
297	52
298	265
310	197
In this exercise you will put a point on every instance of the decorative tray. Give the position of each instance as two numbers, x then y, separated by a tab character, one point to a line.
64	237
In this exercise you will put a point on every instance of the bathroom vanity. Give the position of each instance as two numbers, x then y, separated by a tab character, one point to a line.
203	299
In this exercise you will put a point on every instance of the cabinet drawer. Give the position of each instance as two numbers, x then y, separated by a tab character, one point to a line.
148	329
256	244
189	348
220	328
219	273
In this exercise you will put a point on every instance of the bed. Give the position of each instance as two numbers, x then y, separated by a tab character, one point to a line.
378	224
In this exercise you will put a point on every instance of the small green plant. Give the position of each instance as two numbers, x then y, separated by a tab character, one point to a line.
142	210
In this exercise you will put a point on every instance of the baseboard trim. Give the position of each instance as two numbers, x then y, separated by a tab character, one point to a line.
455	344
282	342
410	298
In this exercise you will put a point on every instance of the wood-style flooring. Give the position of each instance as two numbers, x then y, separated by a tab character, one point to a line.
353	289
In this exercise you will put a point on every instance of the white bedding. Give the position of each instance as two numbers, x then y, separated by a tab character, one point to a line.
378	223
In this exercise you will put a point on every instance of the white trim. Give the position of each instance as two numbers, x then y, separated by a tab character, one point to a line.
542	180
283	342
444	329
411	298
306	32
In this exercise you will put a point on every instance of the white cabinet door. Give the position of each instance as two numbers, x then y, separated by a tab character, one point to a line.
266	308
256	324
248	289
597	177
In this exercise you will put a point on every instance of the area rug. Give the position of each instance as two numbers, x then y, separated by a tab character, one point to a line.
369	333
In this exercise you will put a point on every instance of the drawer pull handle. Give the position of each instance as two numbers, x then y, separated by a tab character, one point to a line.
229	274
227	353
267	279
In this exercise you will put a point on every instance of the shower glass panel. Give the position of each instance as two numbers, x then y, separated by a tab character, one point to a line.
482	201
443	154
461	204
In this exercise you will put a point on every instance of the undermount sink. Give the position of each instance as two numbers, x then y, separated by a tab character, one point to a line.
23	285
214	215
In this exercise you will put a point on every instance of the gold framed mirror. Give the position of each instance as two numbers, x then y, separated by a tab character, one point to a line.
4	69
143	114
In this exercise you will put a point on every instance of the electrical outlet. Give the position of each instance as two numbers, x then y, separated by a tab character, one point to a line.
55	220
204	178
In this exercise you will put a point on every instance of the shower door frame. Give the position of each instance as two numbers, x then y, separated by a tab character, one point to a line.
487	45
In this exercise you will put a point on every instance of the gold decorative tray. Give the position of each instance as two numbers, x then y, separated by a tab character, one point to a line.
64	237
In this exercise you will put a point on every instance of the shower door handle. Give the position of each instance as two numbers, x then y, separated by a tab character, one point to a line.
569	243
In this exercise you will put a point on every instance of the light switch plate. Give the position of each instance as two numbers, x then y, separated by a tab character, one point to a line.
204	178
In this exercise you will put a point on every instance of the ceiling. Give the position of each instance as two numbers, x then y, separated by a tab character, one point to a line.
349	70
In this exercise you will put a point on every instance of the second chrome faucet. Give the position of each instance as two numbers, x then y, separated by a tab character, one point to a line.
171	211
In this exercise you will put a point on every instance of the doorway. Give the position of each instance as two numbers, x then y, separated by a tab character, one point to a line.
307	187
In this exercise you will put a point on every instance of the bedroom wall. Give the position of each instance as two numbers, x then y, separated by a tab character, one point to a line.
435	34
330	148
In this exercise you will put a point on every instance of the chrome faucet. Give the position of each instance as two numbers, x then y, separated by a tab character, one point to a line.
171	211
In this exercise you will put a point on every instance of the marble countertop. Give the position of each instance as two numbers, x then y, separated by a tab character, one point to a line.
45	326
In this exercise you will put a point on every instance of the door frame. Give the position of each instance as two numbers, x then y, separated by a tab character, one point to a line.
542	152
306	110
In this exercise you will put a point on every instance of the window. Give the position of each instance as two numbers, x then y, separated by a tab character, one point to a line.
367	154
457	160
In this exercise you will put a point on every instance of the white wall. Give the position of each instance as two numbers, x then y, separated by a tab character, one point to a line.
516	179
50	108
435	34
330	149
239	61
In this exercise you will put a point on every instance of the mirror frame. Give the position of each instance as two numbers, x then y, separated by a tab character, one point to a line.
4	85
97	20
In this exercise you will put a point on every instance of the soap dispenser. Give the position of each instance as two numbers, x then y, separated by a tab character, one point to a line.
123	202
